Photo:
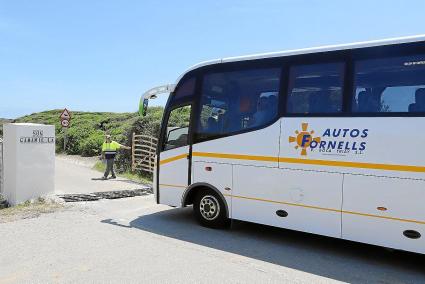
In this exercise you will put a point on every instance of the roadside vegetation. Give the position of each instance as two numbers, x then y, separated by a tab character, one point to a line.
3	202
28	209
2	121
87	129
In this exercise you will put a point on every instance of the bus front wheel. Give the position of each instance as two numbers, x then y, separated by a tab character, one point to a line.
209	209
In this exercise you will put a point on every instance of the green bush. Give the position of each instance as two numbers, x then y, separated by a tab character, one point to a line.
87	129
76	136
92	145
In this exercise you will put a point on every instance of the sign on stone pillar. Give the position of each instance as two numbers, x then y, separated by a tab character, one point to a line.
29	161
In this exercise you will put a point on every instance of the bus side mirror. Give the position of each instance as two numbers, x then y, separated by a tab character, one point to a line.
143	107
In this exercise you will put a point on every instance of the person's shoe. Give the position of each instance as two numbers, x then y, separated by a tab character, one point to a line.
113	177
103	178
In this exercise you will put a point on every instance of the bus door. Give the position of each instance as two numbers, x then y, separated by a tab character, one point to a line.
174	162
314	101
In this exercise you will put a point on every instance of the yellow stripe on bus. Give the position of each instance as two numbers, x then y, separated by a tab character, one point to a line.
172	185
236	156
172	159
384	217
327	209
285	203
387	167
359	165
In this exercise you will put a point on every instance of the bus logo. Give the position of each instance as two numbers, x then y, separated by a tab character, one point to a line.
303	139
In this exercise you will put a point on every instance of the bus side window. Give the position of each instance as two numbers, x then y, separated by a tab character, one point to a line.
184	92
394	84
186	89
236	101
177	128
316	88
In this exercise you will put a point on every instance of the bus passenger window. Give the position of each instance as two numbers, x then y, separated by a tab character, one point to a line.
186	89
266	108
394	84
177	128
235	101
316	88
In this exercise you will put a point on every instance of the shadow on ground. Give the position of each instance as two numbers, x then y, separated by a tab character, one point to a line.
328	257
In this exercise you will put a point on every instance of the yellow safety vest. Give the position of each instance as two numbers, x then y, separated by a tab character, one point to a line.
110	149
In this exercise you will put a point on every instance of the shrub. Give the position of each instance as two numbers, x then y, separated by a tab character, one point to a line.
86	132
3	202
92	145
75	137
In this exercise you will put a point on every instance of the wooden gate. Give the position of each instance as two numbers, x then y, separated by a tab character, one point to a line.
143	153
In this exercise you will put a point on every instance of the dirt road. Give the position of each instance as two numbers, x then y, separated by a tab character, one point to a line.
75	175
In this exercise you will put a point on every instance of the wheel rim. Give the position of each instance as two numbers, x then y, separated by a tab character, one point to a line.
209	207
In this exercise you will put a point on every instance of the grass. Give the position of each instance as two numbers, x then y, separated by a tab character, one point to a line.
85	135
141	178
87	129
29	209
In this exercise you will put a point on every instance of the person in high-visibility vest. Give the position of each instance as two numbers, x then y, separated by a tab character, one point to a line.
109	150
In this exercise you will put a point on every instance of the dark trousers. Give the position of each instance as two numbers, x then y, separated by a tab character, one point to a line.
109	167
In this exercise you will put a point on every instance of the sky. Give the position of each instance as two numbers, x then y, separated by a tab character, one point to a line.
102	55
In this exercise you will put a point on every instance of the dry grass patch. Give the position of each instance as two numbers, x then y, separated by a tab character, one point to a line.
30	209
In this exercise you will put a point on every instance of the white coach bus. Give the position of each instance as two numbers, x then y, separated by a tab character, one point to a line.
322	140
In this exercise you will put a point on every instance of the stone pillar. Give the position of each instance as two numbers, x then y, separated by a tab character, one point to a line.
29	161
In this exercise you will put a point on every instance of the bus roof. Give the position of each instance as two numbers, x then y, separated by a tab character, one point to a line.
399	40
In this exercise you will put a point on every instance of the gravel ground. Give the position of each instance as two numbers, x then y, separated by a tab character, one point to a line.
31	210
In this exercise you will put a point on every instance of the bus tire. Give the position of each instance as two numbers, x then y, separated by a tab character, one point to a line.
210	210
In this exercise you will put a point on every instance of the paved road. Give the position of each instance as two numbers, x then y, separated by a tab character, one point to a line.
75	175
135	240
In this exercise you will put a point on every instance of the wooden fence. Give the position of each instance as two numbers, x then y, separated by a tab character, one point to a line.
143	153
